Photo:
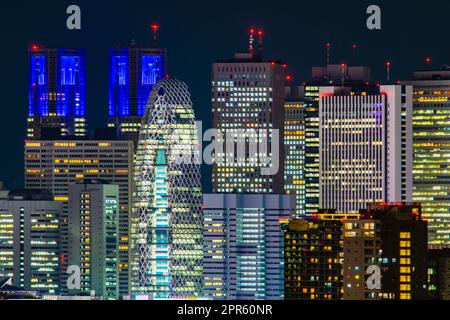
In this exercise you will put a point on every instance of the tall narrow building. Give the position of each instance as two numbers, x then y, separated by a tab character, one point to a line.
431	117
294	148
248	109
167	242
133	73
365	147
57	90
94	237
330	75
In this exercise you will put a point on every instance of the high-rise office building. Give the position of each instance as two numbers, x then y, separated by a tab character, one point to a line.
29	240
243	251
133	73
439	274
248	109
294	148
351	76
167	244
57	85
93	225
431	115
392	237
365	147
313	257
55	165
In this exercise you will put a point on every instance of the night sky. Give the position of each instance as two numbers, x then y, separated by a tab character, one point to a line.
197	33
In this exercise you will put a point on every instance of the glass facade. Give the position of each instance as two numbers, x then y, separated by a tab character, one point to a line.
133	73
431	167
57	86
167	243
294	144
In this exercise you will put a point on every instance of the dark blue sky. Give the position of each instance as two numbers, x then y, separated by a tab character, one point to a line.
196	33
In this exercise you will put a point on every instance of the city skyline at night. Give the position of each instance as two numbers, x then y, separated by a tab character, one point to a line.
304	154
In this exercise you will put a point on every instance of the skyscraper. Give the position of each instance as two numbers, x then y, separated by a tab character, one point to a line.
431	115
397	237
55	165
248	103
57	85
167	245
133	73
330	75
365	147
243	251
94	237
29	240
313	257
294	149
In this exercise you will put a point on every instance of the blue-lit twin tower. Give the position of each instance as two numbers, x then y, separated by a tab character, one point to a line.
57	89
133	73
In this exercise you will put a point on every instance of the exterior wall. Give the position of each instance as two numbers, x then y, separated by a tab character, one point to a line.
93	237
294	144
133	73
431	115
29	233
243	251
57	85
167	220
55	165
248	96
365	150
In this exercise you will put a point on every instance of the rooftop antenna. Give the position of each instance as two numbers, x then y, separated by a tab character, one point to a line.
355	49
251	44
388	65
155	29
343	65
261	41
328	46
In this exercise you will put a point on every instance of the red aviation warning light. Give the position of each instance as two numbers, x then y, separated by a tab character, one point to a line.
155	29
388	65
251	41
428	60
35	47
289	77
328	47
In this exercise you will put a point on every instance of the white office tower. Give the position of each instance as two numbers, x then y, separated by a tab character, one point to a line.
167	244
365	147
244	245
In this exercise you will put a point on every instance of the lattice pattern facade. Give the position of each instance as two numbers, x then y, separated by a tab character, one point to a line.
167	217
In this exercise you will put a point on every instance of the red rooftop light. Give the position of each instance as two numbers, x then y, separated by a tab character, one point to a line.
428	60
288	77
155	27
35	47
